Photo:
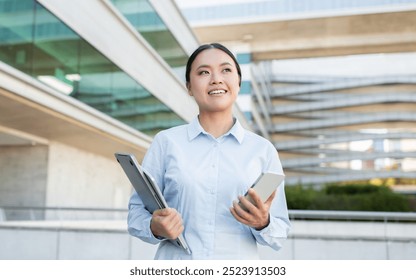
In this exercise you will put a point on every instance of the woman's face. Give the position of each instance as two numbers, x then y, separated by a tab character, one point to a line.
214	81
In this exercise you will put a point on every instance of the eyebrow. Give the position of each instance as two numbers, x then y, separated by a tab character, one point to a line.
207	66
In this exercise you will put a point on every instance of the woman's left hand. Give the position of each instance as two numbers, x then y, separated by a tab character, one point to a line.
257	214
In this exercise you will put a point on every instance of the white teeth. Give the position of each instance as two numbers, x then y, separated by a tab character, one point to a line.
219	91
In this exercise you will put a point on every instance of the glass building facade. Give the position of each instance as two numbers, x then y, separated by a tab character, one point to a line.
235	11
36	42
147	22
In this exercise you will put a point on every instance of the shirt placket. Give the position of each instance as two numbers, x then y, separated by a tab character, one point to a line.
212	188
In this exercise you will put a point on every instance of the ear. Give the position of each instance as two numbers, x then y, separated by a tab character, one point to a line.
188	87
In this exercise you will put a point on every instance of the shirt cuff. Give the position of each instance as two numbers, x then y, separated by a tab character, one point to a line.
142	230
276	230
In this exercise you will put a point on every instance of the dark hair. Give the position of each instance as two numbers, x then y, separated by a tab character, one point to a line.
205	47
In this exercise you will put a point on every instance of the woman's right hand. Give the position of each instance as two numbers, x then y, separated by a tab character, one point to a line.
166	223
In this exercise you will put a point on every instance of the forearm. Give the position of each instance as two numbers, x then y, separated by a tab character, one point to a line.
138	221
278	228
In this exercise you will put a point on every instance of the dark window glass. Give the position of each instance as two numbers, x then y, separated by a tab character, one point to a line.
36	42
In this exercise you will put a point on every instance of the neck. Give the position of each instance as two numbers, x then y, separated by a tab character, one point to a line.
216	124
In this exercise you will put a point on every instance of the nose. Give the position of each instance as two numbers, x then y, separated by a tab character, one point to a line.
216	78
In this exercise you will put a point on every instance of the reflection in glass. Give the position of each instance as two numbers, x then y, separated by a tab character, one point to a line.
36	42
147	22
16	33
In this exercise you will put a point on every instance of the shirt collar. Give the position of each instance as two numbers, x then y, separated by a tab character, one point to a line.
195	129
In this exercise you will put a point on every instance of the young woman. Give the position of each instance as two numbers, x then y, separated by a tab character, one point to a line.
203	169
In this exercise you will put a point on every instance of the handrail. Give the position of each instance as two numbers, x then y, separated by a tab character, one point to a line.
40	208
293	214
352	215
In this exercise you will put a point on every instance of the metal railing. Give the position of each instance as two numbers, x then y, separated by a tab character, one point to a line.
8	213
351	215
37	213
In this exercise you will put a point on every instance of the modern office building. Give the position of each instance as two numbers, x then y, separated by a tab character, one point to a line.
80	80
331	83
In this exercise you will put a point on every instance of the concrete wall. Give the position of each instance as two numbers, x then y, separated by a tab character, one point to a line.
77	178
109	240
331	240
57	175
23	176
71	240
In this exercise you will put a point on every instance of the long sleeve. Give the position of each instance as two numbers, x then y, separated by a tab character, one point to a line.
139	220
276	232
138	217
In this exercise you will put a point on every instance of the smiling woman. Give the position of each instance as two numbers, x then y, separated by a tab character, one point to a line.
212	69
203	167
214	83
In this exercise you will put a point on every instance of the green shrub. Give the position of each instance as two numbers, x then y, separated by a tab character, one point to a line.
352	197
299	197
353	189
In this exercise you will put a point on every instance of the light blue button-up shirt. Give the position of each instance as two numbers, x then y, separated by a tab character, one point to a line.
200	176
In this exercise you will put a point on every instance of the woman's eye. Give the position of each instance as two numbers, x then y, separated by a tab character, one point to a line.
203	72
227	70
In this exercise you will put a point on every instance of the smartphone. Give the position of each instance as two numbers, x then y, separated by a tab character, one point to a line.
264	186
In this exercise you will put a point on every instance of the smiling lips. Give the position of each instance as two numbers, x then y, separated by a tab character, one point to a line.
217	92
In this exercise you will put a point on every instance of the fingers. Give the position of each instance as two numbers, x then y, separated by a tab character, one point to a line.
166	223
243	213
270	199
256	198
163	212
237	215
258	202
257	213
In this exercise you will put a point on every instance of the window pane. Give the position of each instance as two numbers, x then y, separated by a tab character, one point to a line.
36	42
